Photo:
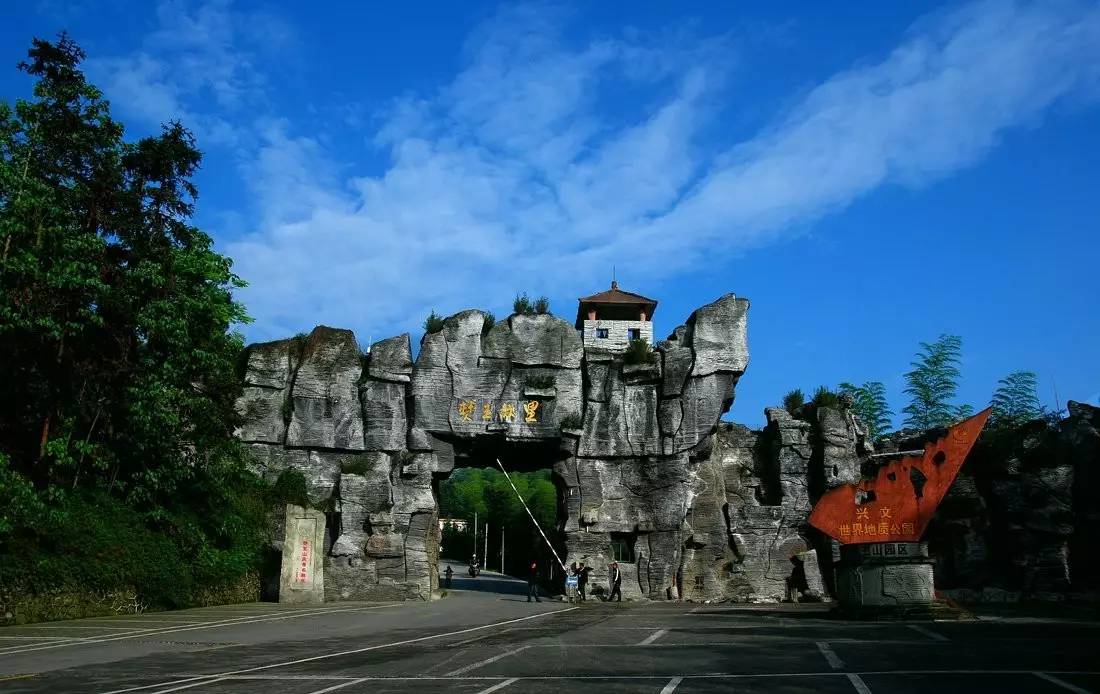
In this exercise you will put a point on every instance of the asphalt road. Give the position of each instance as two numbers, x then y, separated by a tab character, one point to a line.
487	641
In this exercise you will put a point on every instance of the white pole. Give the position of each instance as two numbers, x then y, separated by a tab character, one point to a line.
502	550
475	537
520	497
485	556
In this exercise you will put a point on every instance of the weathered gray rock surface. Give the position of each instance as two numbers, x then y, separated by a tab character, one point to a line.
696	508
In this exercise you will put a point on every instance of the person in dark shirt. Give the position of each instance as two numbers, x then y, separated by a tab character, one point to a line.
582	579
616	580
533	582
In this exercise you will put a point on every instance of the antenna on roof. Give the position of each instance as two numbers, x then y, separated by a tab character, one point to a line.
614	283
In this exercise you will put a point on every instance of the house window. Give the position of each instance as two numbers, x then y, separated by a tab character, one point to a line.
634	333
601	333
622	547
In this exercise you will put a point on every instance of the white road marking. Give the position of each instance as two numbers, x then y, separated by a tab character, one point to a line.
186	686
111	620
351	652
653	637
834	662
67	626
499	685
339	686
672	685
77	641
928	632
1061	683
481	663
858	683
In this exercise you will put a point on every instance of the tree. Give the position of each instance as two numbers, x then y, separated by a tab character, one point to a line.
823	397
433	323
118	466
793	400
869	403
1016	400
116	314
933	383
488	492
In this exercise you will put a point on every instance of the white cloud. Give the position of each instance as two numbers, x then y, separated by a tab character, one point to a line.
517	175
196	66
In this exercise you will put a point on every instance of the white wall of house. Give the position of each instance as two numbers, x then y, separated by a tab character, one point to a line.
618	333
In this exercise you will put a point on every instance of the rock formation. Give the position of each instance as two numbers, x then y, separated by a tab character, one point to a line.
704	509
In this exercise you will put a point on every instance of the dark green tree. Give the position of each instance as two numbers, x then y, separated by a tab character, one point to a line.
117	462
116	314
1016	400
433	323
823	397
869	403
793	400
933	383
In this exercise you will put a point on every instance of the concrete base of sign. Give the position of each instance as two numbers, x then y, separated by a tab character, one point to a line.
302	577
887	579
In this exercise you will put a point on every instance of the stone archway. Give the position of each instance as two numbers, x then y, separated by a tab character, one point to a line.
646	471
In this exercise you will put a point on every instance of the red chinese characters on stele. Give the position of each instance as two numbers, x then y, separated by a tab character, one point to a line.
303	565
898	503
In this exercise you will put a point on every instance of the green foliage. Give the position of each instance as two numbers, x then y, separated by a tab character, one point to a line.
433	323
490	321
120	361
1016	400
289	488
823	397
572	421
93	541
487	492
540	381
639	352
522	306
933	383
793	400
869	403
115	312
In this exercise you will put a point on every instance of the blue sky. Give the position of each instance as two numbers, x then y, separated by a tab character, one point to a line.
869	175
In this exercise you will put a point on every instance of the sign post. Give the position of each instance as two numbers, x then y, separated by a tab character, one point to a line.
879	523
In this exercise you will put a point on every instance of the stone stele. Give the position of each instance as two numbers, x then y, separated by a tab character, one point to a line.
302	579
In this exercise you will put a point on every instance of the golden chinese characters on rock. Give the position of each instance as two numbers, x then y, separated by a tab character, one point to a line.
506	413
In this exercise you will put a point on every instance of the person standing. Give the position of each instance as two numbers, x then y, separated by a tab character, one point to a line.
533	582
616	579
582	579
448	573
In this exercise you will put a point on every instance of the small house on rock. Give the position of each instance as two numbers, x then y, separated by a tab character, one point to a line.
611	319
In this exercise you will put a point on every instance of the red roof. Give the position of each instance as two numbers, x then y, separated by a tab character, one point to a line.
614	297
617	296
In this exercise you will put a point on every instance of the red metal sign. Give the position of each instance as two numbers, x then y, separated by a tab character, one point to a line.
898	503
